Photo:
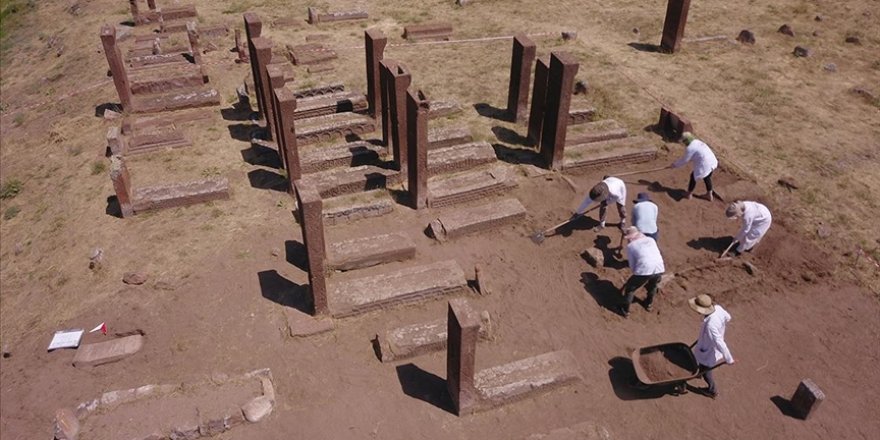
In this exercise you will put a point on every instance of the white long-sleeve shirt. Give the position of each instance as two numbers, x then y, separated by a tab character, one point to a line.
644	256
701	155
616	194
711	348
756	222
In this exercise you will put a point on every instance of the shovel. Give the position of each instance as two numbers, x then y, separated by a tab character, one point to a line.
538	237
728	249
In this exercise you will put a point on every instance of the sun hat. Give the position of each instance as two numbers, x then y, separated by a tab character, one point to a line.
599	192
642	197
687	137
631	233
735	209
702	304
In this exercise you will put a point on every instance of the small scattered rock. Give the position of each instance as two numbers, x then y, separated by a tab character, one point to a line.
819	18
864	93
111	115
746	37
569	35
816	33
580	87
788	183
95	258
136	278
823	231
6	352
830	67
257	409
66	424
19	248
164	285
636	31
802	52
808	277
594	257
786	30
750	268
275	252
852	39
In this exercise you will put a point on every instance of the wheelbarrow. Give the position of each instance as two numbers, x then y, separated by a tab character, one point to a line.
670	364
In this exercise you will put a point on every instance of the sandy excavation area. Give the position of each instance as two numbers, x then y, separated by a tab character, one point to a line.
225	279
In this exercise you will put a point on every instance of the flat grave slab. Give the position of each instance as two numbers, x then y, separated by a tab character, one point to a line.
175	101
342	155
310	53
439	109
339	181
90	355
173	77
460	157
477	219
612	152
581	115
442	137
353	207
421	338
525	378
427	31
180	194
394	288
369	251
328	127
329	103
469	186
595	131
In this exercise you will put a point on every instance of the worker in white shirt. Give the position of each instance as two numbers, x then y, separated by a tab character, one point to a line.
704	163
609	190
644	214
710	350
647	268
756	220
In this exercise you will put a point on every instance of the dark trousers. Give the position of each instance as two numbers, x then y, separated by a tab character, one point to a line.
710	380
636	281
655	236
707	180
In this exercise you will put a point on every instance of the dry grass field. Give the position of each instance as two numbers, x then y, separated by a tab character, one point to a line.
767	113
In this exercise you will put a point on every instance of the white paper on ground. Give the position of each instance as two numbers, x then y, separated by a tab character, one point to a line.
66	339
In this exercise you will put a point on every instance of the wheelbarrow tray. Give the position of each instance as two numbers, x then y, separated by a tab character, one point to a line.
665	364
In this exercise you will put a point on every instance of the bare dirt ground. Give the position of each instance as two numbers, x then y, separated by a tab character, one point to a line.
222	274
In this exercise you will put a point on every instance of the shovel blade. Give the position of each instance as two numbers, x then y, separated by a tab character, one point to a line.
538	237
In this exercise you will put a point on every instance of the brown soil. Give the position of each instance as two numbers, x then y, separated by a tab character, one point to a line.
666	363
221	274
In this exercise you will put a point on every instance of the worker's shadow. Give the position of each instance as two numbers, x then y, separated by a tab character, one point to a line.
626	385
613	257
714	244
603	292
655	186
583	223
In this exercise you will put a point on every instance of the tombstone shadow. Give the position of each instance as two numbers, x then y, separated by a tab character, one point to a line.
422	385
784	405
295	254
509	136
603	292
714	244
261	155
113	209
263	179
613	256
655	186
240	111
490	111
280	290
626	385
100	108
243	132
645	47
518	155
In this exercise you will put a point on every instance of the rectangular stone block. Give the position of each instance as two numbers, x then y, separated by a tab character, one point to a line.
463	324
469	186
326	89
315	16
364	252
350	154
673	125
353	207
339	181
596	131
422	338
460	157
310	53
610	153
312	224
523	55
581	115
90	355
328	127
673	25
428	31
476	219
442	137
440	109
394	288
179	194
806	399
525	378
176	101
417	142
170	78
374	44
328	104
560	84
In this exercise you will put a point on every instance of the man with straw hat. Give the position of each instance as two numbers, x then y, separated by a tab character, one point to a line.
647	267
609	190
756	220
704	163
710	349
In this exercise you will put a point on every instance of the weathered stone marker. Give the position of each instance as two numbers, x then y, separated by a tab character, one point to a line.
375	42
463	327
285	102
539	101
672	125
806	399
121	185
312	223
261	56
397	81
417	142
673	26
563	69
117	65
106	352
275	74
521	61
192	33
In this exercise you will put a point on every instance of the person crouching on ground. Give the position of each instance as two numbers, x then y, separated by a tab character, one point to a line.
647	268
756	220
609	190
644	215
704	164
710	349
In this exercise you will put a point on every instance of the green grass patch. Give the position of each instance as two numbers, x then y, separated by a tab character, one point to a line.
11	188
11	212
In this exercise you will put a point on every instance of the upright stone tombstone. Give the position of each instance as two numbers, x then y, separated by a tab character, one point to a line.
806	399
385	84
539	101
417	108
398	81
673	26
253	25
261	55
522	57
285	103
117	65
192	33
312	223
375	42
151	4
121	185
276	81
463	329
673	125
560	85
